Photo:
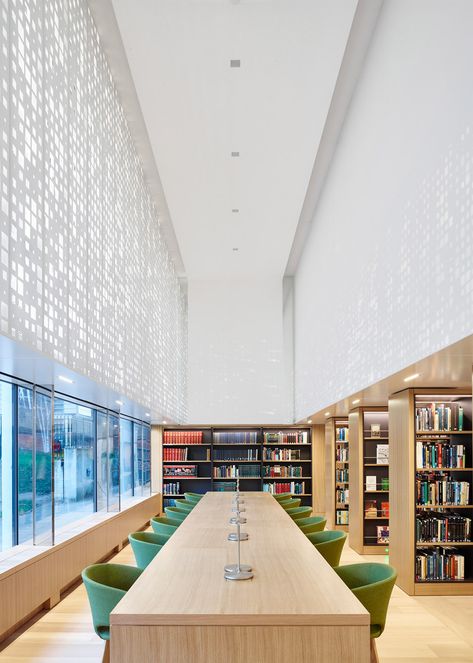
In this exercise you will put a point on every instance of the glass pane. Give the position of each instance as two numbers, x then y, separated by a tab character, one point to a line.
113	463
126	458
25	465
146	460
137	458
102	461
43	471
74	438
6	465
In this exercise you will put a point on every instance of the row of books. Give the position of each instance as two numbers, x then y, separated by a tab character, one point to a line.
183	437
341	434
297	488
292	437
341	454
236	437
442	491
281	454
180	471
373	483
341	517
173	488
441	527
439	416
283	471
174	453
440	454
225	487
439	564
342	496
382	455
341	476
168	502
233	454
372	510
233	471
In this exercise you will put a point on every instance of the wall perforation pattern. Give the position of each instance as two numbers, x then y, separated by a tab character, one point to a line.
85	273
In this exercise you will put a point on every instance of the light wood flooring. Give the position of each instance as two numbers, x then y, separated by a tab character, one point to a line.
420	630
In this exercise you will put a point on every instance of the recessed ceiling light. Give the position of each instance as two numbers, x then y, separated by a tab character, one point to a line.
235	248
164	422
119	402
411	377
235	154
234	63
235	210
64	379
147	414
309	421
327	414
357	400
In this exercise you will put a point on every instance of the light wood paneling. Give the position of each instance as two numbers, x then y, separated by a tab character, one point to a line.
355	425
38	580
330	473
318	470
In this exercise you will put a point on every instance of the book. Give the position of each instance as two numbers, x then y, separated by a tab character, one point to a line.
384	483
370	482
385	509
382	454
382	534
371	509
375	430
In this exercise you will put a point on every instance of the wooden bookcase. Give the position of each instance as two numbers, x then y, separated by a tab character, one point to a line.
337	473
409	444
268	454
369	479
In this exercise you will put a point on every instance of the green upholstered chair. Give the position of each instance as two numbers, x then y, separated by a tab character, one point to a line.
163	525
193	497
291	504
106	585
280	497
329	544
299	512
372	584
186	506
175	513
312	524
145	546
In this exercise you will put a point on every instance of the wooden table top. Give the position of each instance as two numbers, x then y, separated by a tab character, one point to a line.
292	584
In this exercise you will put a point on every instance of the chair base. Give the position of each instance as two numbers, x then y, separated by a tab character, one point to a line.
106	652
373	651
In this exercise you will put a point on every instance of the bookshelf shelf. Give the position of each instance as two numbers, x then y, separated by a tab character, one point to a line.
419	417
229	442
369	479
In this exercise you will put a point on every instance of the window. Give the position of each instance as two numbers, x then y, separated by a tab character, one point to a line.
126	458
25	464
102	461
74	443
113	463
43	500
6	466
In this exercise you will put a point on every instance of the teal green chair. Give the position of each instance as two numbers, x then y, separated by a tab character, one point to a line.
280	497
329	544
185	506
193	497
175	513
145	546
311	524
291	504
106	585
163	525
299	512
372	584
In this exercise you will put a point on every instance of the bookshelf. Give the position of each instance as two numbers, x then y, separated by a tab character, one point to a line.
337	472
431	503
273	459
369	479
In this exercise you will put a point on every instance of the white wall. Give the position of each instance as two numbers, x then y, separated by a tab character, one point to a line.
86	277
236	357
386	277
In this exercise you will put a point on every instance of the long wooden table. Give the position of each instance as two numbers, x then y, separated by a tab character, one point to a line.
182	610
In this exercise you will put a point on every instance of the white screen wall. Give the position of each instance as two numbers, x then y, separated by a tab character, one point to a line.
86	277
386	277
237	372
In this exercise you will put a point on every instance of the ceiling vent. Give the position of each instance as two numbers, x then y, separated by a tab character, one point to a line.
234	63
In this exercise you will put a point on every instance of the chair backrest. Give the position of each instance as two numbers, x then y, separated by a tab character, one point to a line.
372	583
163	525
311	524
106	585
329	544
184	504
280	497
299	512
145	546
175	513
291	504
195	496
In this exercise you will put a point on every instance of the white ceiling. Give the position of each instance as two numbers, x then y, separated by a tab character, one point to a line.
197	110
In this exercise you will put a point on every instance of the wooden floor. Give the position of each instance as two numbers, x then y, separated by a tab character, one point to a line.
421	630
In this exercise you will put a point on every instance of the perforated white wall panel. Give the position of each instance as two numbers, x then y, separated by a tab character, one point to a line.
85	273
